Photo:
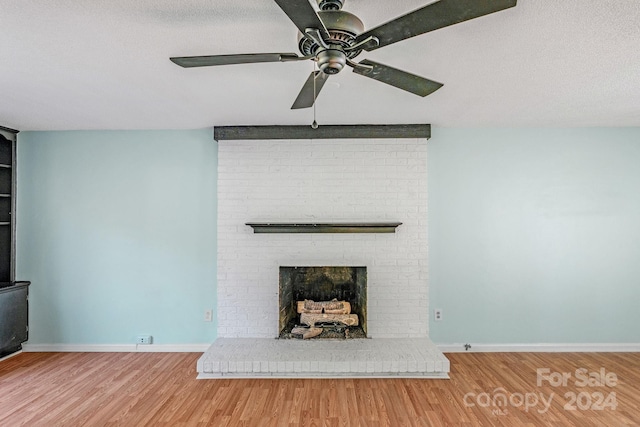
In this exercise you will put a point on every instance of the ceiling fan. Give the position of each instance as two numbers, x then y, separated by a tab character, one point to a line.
333	38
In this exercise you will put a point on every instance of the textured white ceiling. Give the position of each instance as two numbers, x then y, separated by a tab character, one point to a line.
104	64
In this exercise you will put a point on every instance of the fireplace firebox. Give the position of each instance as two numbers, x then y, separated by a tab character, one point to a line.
323	290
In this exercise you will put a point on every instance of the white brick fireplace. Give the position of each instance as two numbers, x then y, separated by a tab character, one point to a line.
322	181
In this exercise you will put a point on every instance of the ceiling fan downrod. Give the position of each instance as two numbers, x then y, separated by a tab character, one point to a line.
330	4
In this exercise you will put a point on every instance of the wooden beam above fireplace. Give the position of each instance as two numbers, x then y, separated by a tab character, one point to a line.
327	227
221	133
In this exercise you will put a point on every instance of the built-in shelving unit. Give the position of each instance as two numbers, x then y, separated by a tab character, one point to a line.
7	203
14	301
324	227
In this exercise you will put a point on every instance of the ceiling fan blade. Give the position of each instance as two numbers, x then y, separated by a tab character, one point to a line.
246	58
398	78
432	17
306	98
303	15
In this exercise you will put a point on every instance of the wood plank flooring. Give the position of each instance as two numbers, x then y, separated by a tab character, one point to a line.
160	389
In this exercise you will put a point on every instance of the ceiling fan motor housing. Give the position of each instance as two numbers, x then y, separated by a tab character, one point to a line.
343	27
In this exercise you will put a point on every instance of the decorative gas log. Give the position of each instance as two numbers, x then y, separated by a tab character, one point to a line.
306	333
312	319
330	307
318	315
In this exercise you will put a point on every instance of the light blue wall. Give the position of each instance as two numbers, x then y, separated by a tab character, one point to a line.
534	235
117	232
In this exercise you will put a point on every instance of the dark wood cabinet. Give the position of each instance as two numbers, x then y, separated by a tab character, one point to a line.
14	316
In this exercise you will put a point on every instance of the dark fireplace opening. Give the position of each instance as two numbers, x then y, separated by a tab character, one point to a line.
323	302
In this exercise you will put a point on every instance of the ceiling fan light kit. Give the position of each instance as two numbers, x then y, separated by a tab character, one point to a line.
333	38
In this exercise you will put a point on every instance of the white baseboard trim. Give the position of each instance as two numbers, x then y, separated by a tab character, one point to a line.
115	348
541	348
445	348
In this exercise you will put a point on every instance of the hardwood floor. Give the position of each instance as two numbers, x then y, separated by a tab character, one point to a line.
160	389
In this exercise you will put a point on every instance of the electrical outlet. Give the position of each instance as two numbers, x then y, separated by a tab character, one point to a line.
208	315
437	314
143	339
